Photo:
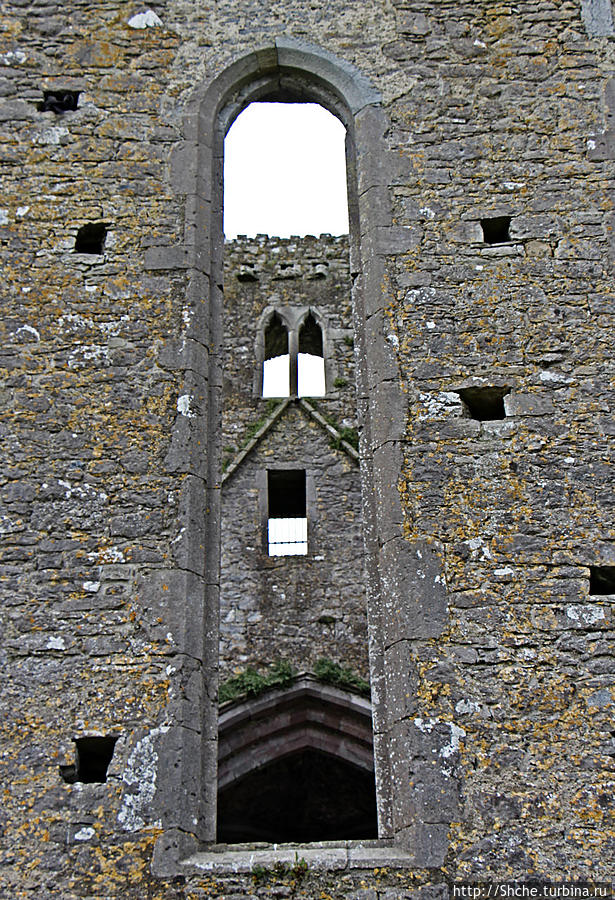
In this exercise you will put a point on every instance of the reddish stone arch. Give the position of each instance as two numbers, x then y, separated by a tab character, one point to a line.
306	715
305	752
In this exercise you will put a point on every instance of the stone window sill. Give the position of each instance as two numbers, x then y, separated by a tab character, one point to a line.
321	856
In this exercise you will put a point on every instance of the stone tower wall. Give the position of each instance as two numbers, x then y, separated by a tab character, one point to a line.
293	273
499	688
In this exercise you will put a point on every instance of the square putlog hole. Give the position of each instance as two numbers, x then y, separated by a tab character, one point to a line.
91	238
92	758
485	404
59	101
496	230
602	580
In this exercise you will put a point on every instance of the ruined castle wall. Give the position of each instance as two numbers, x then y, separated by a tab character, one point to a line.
494	110
317	602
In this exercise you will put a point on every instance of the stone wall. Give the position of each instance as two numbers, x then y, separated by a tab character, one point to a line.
491	111
279	273
298	608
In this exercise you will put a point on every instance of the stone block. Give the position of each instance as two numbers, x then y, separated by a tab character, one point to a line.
528	405
172	610
189	550
414	597
341	75
372	160
164	258
597	17
401	682
16	111
178	775
387	406
171	847
395	240
183	164
427	845
374	208
388	513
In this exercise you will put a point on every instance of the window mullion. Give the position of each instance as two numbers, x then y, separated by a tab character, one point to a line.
293	348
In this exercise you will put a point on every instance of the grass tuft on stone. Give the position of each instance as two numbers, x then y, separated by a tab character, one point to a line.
251	683
330	672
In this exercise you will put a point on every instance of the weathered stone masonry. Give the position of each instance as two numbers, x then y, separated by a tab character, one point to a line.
492	662
318	604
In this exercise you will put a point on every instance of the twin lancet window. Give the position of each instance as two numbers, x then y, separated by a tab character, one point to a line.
293	361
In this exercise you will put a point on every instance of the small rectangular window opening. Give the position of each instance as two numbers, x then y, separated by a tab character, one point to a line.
287	512
496	230
59	101
602	580
91	238
485	403
92	758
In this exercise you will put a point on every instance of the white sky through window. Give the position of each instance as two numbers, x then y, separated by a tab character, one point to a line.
310	376
285	172
276	376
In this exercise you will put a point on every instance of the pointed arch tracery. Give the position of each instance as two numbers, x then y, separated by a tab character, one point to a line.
276	362
311	371
291	353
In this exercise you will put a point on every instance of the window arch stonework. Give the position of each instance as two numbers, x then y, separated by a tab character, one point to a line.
400	609
293	319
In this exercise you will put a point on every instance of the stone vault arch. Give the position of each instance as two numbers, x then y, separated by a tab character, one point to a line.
306	721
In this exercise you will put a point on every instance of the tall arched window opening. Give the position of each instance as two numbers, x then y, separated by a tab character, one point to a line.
291	502
395	566
310	360
276	362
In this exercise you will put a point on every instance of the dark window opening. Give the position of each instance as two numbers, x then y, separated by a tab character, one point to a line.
59	101
276	338
92	758
247	276
286	493
276	362
307	796
602	580
91	238
286	512
485	403
496	230
310	360
310	337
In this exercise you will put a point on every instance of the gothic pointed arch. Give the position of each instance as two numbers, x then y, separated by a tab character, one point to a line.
311	368
276	336
276	366
296	764
310	335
